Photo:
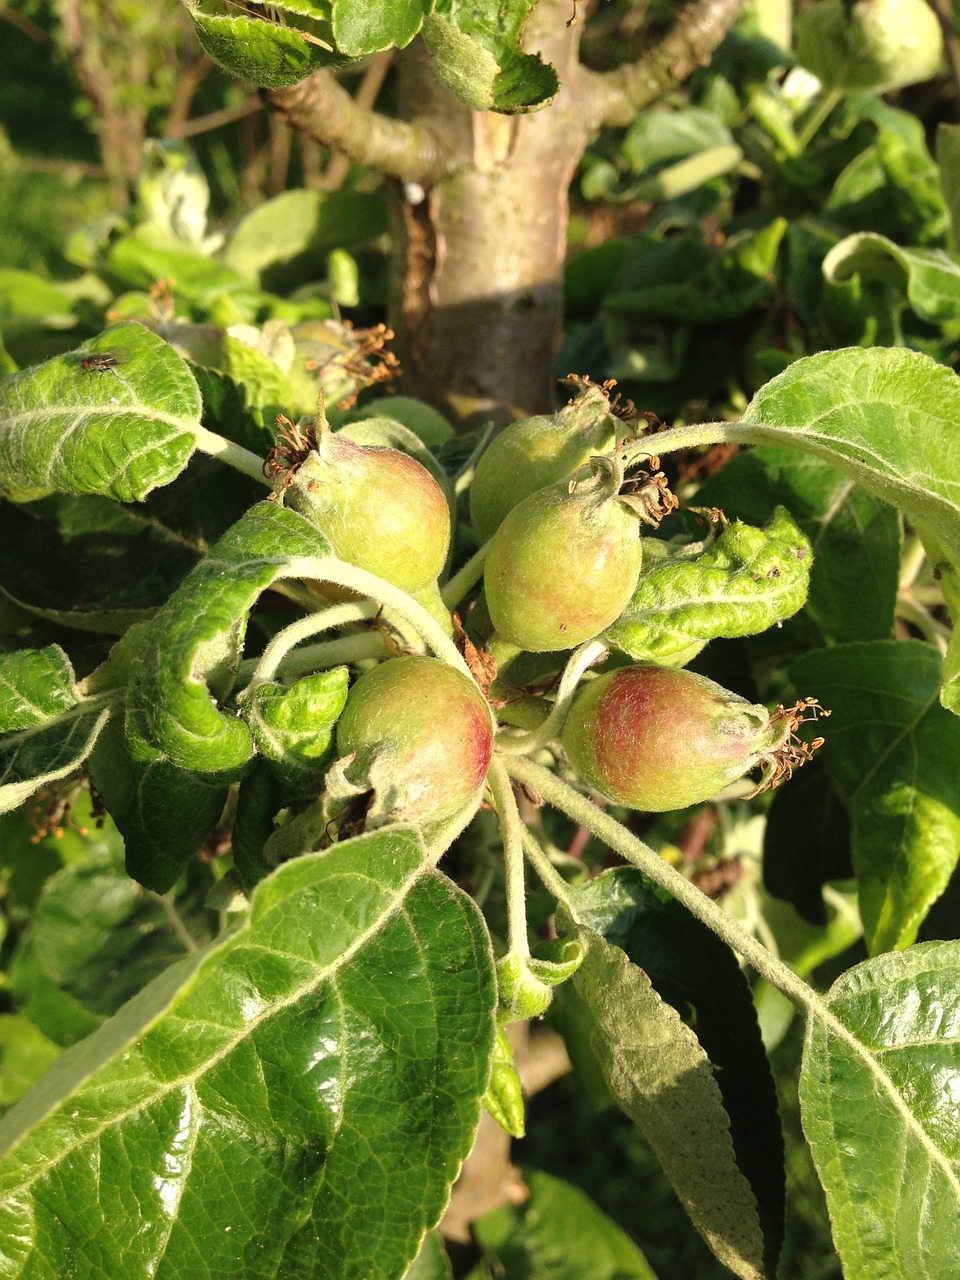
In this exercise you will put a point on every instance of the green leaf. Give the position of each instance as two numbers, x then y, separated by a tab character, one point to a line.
948	162
259	50
299	228
879	1109
894	754
684	281
119	432
291	1102
163	813
93	565
928	278
192	646
663	1080
431	1263
419	417
855	537
293	728
96	938
806	841
885	418
25	1053
28	301
475	47
699	976
557	1232
47	729
746	581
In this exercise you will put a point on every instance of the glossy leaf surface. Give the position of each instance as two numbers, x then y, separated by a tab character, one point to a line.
293	1102
119	430
878	1094
894	755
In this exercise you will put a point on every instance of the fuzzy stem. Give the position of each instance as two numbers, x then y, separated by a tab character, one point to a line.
512	743
552	880
467	576
309	625
319	657
234	455
511	832
575	806
367	584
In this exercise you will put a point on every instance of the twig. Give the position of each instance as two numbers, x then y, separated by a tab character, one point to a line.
188	81
217	119
366	99
618	95
323	110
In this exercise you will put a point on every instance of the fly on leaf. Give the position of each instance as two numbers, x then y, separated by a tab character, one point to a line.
100	362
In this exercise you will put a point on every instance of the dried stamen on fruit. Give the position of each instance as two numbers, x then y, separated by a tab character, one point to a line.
292	445
650	495
793	752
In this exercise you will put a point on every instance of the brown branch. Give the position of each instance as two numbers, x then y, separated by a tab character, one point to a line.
365	99
323	110
618	95
188	81
29	28
217	119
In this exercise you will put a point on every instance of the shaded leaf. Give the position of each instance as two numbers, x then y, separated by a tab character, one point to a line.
93	564
264	1082
663	1080
557	1231
164	813
119	431
302	224
96	938
878	1096
25	1053
47	729
948	163
699	976
894	755
928	278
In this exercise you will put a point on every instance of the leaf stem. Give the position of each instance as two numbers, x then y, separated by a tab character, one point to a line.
466	577
578	807
234	455
512	742
817	119
511	832
310	625
318	569
318	657
553	881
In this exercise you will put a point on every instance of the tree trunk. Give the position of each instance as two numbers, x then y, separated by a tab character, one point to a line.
476	294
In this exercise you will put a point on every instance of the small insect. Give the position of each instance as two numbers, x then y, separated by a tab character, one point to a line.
99	362
273	17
